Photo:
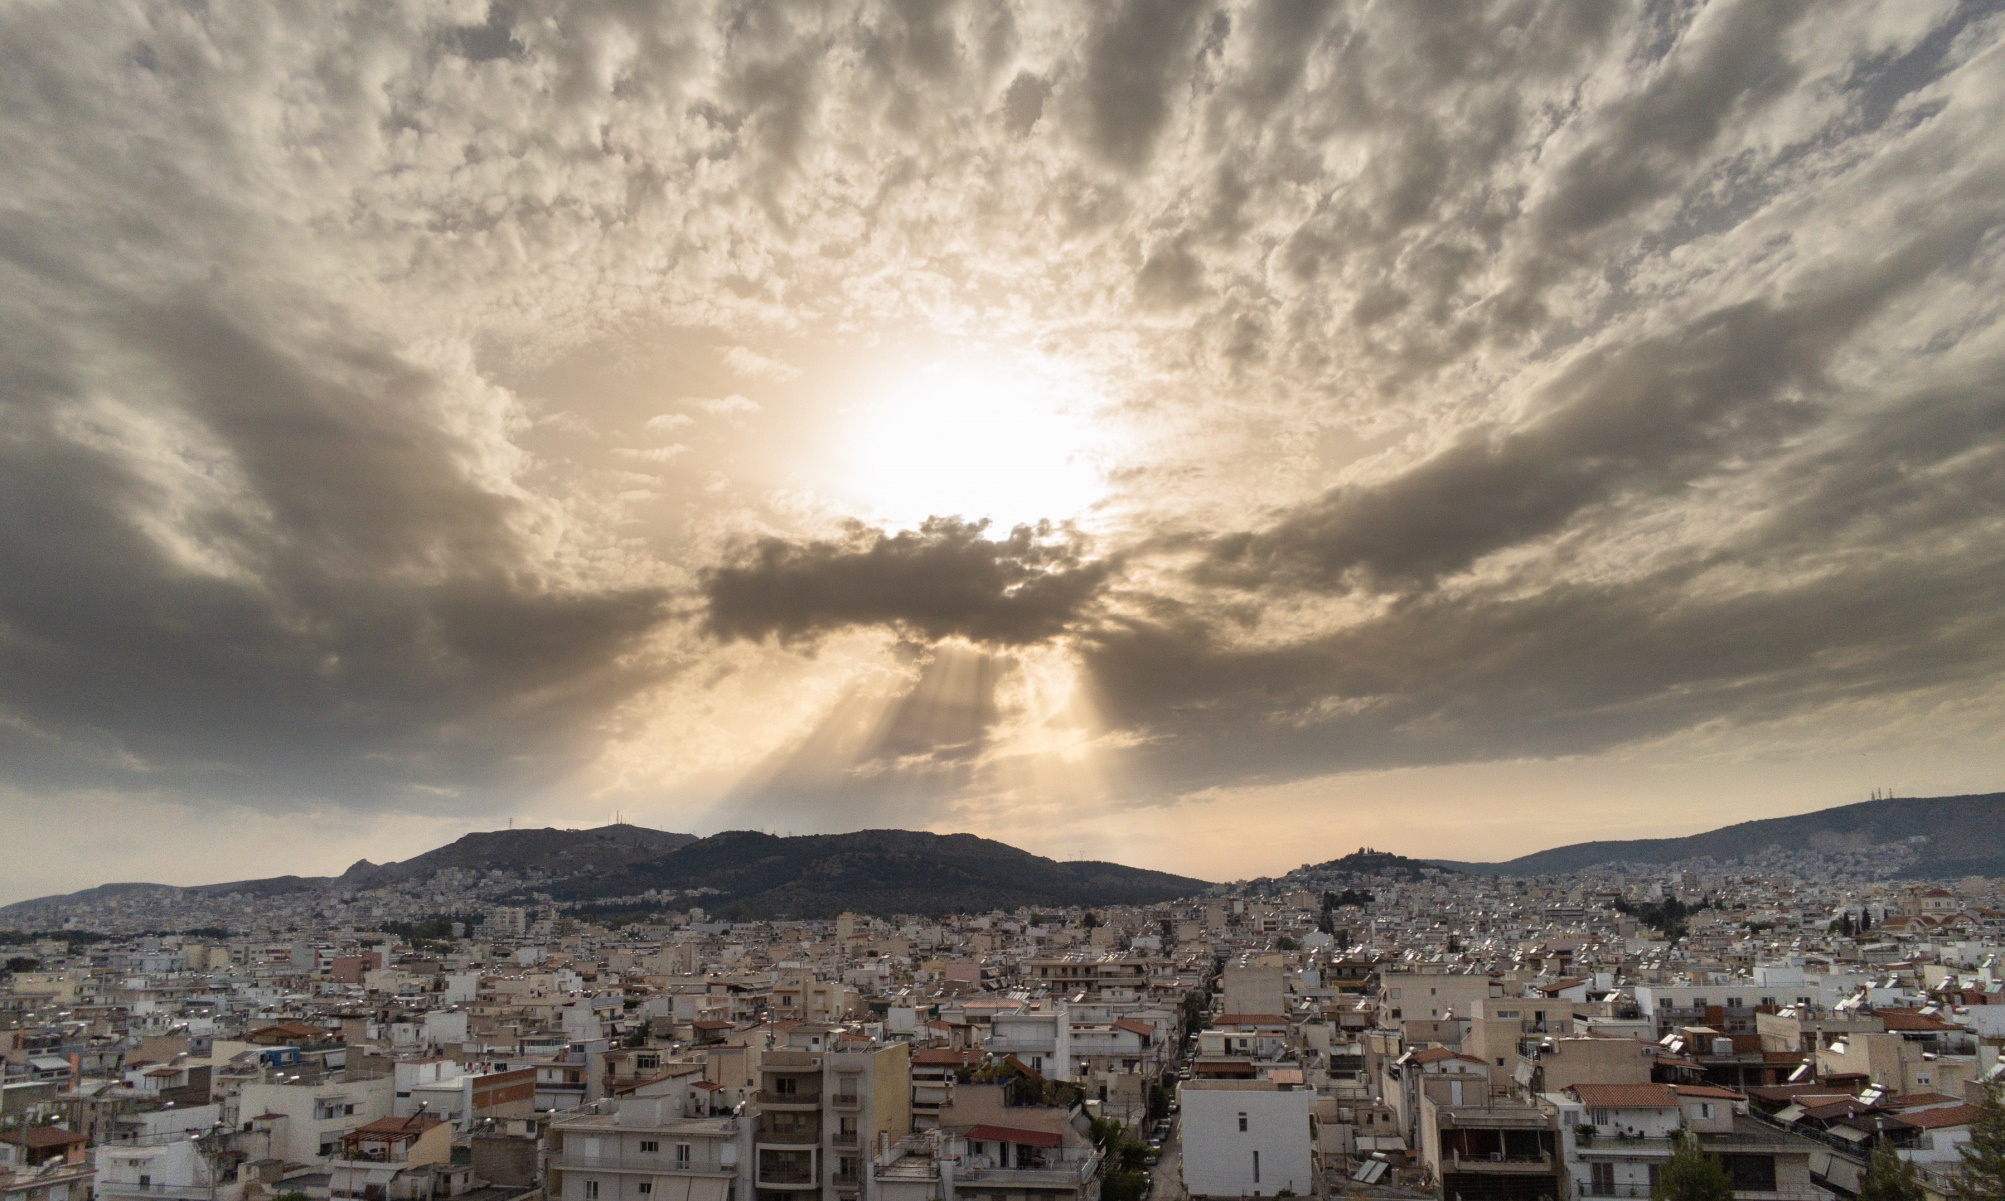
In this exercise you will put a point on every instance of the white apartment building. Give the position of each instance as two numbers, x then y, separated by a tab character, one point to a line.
641	1149
170	1167
304	1116
1247	1138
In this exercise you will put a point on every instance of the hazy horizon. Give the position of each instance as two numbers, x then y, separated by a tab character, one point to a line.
1208	436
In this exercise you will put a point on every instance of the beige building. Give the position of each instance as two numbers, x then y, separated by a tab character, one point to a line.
642	1149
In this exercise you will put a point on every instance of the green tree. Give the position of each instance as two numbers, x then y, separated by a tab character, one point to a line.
1288	944
1692	1175
1890	1178
1092	921
1981	1175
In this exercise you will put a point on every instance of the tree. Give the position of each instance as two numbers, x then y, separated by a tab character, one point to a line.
1286	943
1692	1175
1890	1178
22	963
1981	1175
1092	921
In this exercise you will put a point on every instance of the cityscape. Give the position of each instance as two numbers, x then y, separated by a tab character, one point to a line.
1002	600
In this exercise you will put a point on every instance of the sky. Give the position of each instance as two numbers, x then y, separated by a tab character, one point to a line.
1212	436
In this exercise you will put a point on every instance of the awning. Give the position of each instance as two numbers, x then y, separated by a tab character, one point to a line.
708	1188
1006	1134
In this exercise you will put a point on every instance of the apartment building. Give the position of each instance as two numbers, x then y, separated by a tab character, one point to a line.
1247	1138
1615	1138
169	1167
300	1117
827	1103
1432	995
643	1149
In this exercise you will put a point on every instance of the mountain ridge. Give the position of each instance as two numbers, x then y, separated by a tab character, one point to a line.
736	872
1964	836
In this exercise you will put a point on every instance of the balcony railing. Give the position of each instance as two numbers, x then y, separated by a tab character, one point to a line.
844	1100
785	1175
173	1192
810	1099
1483	1163
791	1137
1058	1175
843	1138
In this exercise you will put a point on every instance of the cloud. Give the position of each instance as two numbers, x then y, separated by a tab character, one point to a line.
281	582
943	580
725	406
1471	381
750	363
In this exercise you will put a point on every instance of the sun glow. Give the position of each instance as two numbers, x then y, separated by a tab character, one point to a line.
1007	445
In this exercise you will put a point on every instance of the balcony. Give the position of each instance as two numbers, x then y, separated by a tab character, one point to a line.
845	1100
1051	1176
800	1100
790	1136
1541	1166
171	1192
843	1138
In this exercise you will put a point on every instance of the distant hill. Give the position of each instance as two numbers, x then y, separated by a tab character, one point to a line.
746	873
879	871
549	850
557	853
1966	837
1365	862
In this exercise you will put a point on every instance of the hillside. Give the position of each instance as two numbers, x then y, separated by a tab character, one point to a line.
1965	836
879	871
552	852
1367	863
742	873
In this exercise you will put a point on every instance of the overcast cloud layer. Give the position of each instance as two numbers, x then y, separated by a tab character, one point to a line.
414	415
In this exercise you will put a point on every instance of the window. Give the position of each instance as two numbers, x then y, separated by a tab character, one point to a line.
786	1086
1597	1117
1242	1123
646	1187
1256	1166
649	1146
1705	1109
1602	1175
591	1190
682	1155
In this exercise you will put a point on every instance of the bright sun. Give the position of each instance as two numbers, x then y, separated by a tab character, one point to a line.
954	439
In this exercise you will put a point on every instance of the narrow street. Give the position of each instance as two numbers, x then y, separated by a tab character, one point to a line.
1167	1184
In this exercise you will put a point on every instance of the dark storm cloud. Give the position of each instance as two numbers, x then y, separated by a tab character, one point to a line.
1670	331
1137	60
356	619
942	580
1627	423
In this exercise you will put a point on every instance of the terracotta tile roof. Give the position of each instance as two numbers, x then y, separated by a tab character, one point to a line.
1936	1119
1626	1096
37	1138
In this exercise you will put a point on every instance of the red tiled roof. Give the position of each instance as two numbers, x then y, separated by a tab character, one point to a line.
1005	1134
1626	1096
1936	1119
1706	1090
36	1138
